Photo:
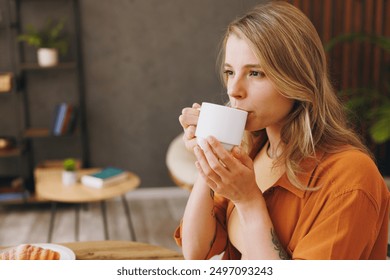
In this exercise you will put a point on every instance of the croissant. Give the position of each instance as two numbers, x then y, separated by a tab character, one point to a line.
29	252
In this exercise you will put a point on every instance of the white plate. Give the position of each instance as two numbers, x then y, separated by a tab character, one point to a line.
65	252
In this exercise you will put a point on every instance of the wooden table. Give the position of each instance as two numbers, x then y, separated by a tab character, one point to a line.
48	185
120	250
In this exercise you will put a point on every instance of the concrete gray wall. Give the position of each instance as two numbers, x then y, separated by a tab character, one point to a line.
144	61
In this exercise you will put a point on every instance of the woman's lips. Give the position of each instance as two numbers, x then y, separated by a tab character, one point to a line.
238	108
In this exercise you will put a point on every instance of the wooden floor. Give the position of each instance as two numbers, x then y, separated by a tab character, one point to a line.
155	213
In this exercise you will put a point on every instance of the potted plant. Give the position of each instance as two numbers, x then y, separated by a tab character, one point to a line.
69	176
49	41
369	106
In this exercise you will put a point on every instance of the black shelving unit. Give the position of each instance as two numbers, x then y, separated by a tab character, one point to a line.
26	69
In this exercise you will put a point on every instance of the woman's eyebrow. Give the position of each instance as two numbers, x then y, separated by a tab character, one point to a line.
245	66
252	66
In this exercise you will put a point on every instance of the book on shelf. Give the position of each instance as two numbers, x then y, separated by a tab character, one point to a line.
72	121
55	119
11	189
15	196
65	123
59	119
64	119
105	177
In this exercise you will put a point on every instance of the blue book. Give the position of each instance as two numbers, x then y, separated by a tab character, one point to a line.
13	196
56	112
105	177
60	119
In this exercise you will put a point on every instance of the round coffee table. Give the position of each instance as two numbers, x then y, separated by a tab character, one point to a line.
48	185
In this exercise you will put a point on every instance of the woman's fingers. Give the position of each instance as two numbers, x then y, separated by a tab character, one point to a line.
242	157
189	132
228	161
189	116
196	106
204	163
208	181
188	120
190	144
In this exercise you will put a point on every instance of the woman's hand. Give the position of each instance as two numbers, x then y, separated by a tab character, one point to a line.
230	174
188	120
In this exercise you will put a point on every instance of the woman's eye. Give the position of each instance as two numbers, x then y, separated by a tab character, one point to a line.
228	72
256	74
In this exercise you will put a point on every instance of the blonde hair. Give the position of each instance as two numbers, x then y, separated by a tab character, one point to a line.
292	57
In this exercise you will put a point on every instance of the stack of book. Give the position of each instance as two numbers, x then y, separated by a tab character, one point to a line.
64	120
106	177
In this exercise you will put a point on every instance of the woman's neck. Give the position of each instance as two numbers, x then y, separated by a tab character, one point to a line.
274	148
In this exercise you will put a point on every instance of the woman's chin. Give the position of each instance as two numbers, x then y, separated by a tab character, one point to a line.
250	128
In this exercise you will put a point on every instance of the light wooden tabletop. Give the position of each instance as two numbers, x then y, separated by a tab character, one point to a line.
120	250
49	186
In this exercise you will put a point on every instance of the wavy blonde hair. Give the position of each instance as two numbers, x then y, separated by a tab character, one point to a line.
292	57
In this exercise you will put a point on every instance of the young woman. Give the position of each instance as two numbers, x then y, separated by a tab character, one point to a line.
302	185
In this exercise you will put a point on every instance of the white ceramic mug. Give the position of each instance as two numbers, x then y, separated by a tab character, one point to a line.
224	123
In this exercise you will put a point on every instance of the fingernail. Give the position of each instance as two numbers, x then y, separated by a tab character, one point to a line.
211	139
204	143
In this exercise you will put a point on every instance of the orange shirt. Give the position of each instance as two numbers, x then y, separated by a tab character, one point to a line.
347	218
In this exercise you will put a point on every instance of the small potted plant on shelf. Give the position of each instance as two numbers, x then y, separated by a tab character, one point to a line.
50	42
69	176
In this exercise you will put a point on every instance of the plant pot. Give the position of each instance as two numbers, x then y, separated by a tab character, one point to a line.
47	57
69	178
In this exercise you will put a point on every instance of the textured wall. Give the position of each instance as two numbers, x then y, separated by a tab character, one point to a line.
144	61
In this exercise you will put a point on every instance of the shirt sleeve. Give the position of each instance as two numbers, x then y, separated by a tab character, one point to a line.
341	228
220	237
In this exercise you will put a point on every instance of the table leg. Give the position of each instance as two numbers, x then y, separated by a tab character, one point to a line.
104	215
77	222
52	219
128	216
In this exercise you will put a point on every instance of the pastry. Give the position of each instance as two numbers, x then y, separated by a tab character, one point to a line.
29	252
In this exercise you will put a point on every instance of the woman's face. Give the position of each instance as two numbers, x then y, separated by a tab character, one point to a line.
249	89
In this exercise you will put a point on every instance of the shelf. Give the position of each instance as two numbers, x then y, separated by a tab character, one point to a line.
44	133
27	73
22	199
36	67
12	152
37	133
11	189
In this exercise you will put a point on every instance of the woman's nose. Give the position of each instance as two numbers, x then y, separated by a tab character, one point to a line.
236	89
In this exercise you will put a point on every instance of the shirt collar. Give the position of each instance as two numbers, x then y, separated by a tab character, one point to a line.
308	165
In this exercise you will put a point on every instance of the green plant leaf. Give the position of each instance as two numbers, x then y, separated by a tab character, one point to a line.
380	130
369	107
69	164
51	36
380	41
